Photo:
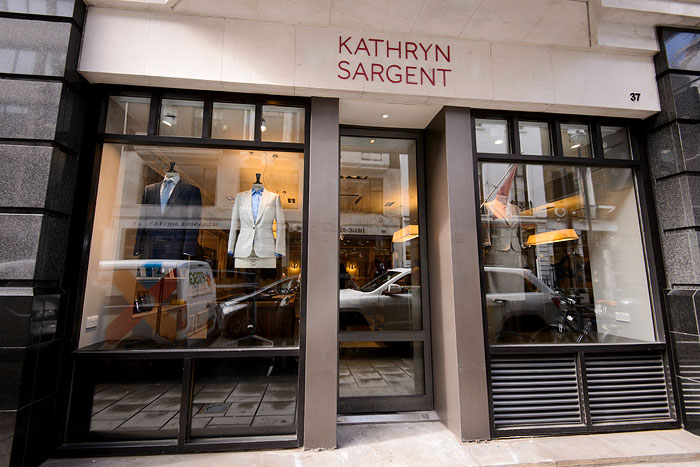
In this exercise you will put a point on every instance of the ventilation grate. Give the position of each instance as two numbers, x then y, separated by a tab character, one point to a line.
623	388
689	376
534	391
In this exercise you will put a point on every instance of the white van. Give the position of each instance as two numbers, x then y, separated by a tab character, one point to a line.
176	299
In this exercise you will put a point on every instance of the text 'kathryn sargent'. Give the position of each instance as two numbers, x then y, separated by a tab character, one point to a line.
399	62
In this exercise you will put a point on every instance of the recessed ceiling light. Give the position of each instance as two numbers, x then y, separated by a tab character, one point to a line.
371	141
385	115
498	141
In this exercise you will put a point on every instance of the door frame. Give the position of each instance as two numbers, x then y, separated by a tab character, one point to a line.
409	403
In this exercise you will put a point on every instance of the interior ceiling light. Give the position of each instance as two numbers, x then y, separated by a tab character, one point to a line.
371	141
169	119
577	139
553	236
405	234
498	141
385	115
263	127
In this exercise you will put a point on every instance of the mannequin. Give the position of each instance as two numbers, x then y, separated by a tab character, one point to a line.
169	219
256	246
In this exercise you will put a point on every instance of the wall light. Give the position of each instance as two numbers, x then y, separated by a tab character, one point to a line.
263	127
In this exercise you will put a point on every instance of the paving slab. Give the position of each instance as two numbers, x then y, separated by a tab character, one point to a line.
431	444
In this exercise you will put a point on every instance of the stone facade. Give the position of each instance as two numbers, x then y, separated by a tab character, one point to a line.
42	108
674	160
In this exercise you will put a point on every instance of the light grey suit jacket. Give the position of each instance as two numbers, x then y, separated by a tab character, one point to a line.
256	234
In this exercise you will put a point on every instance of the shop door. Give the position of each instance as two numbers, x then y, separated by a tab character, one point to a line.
383	337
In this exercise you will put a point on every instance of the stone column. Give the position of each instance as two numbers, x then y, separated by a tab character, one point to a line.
674	160
41	127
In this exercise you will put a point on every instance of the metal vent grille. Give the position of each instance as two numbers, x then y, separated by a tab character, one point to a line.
690	388
626	388
534	391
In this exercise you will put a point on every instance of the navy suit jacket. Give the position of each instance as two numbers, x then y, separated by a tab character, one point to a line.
171	234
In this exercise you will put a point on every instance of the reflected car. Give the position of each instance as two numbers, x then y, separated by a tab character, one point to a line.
519	304
388	302
269	312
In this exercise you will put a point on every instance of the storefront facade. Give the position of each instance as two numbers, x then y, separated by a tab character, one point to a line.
250	221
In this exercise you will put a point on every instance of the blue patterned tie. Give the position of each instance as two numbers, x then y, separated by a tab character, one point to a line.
165	194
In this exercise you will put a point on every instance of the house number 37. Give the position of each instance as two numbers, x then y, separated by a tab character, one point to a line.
635	96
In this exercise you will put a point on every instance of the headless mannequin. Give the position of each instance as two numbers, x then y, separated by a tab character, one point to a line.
172	174
253	261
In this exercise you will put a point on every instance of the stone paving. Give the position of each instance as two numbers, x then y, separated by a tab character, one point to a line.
431	444
220	408
377	377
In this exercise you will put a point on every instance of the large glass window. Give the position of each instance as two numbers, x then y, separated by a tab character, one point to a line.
563	255
194	247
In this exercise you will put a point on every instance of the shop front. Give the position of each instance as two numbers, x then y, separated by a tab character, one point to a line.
283	222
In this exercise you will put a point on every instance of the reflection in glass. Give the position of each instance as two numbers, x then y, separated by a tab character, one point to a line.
282	124
181	118
160	274
128	115
381	369
245	397
492	136
681	49
616	144
576	140
233	121
379	264
563	255
126	400
534	138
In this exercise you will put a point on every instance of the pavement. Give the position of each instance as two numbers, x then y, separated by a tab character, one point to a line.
431	444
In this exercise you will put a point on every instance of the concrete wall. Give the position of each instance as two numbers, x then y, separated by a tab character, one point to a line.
41	128
674	149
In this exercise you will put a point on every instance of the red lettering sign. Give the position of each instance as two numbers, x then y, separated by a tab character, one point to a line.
421	67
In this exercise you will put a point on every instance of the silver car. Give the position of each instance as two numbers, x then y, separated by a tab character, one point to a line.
389	302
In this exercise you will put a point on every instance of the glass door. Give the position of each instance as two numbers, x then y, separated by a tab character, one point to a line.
383	324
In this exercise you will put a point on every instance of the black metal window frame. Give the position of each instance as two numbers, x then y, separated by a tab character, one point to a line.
86	197
650	244
378	404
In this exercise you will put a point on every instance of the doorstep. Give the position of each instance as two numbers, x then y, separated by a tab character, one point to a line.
430	443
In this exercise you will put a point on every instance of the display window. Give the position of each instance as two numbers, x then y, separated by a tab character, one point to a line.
194	247
564	258
191	311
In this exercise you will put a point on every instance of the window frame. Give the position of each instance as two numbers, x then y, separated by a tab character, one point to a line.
86	200
645	203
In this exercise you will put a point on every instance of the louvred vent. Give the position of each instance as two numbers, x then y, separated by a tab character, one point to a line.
534	391
624	388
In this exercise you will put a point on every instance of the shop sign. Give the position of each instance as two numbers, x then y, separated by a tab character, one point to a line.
418	63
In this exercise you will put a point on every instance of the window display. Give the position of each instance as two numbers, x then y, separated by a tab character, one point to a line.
563	255
194	247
